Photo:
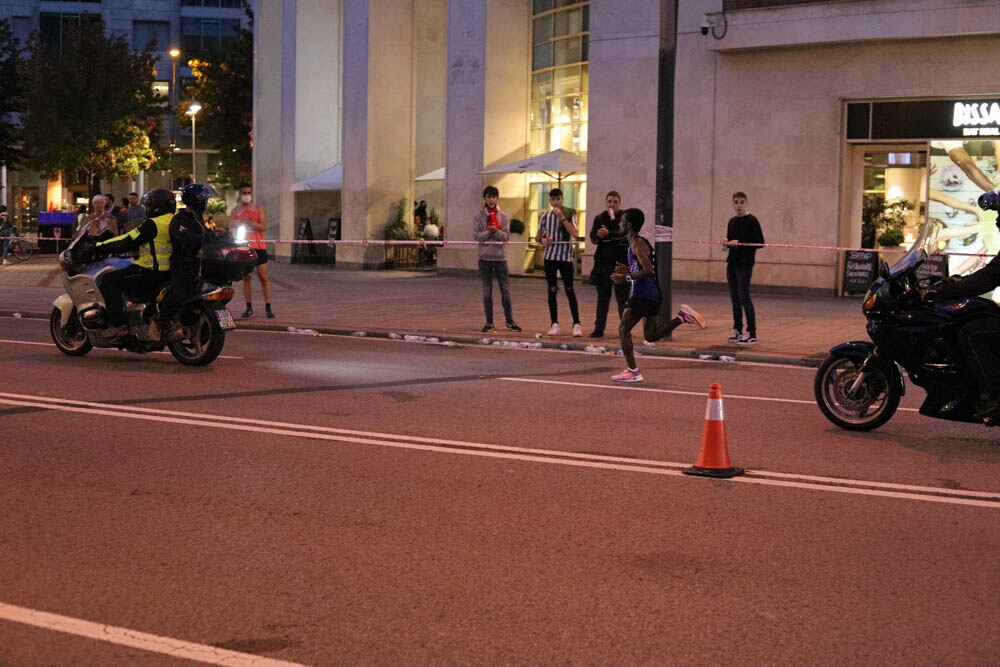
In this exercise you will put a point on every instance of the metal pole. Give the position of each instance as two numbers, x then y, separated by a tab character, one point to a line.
175	53
665	154
173	101
194	152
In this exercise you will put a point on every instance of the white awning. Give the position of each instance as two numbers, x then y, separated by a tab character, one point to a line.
328	179
436	175
557	164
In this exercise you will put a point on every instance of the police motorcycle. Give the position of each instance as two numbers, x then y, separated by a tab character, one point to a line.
859	384
79	320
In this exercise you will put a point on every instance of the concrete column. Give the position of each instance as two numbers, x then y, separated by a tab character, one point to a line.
378	128
286	159
274	118
466	109
624	62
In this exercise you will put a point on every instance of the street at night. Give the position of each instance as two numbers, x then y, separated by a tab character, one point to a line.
332	500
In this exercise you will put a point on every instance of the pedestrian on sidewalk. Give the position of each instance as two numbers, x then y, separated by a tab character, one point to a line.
135	213
743	228
253	218
611	243
644	298
557	232
100	222
6	232
491	228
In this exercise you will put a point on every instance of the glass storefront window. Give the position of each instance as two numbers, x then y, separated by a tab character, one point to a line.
558	108
558	113
892	178
26	209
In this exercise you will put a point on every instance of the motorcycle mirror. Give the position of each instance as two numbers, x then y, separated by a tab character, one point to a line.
883	269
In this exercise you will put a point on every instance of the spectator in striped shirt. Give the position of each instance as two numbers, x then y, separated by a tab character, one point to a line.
557	232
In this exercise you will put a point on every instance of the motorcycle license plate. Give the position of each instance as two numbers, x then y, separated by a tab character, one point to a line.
225	319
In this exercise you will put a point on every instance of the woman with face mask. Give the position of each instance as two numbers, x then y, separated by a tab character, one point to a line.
253	221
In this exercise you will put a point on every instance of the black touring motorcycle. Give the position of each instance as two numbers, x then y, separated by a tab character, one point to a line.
859	384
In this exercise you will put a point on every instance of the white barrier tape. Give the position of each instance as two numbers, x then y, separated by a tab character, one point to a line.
441	244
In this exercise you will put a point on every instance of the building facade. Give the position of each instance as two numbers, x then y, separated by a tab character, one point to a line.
392	90
182	29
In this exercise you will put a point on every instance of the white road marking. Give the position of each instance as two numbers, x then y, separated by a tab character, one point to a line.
175	648
25	342
767	478
96	349
677	392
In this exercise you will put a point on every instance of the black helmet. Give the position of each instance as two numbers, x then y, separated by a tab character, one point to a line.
196	196
990	201
158	202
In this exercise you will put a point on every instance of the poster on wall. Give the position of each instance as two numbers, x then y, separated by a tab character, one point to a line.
960	171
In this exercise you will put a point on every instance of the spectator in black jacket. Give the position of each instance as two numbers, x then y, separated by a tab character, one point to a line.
612	248
743	229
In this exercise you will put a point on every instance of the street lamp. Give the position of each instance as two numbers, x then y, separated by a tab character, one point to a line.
175	53
192	111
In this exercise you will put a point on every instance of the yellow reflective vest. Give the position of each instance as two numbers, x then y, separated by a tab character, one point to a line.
152	238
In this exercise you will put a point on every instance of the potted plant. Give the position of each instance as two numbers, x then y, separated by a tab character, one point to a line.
891	222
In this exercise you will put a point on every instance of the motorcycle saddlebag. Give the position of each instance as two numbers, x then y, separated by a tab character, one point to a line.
227	262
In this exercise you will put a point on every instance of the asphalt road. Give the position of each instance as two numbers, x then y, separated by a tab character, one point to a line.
333	500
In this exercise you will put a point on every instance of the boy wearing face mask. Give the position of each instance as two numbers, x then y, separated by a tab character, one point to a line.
252	218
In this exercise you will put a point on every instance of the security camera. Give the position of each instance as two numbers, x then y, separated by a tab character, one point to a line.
705	25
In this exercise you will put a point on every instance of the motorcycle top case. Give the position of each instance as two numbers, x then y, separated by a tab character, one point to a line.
226	261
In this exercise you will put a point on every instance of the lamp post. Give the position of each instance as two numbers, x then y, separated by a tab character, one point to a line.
175	53
192	111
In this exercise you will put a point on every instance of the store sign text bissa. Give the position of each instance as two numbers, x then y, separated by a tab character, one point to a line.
984	117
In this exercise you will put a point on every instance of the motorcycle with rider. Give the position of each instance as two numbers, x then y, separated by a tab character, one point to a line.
940	333
173	295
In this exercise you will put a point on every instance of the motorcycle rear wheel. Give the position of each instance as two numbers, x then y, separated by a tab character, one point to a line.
204	344
70	339
871	406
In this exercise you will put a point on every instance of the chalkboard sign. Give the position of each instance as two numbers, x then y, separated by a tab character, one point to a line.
860	270
935	265
304	233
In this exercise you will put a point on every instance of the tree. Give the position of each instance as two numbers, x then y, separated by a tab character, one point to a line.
91	107
10	97
224	88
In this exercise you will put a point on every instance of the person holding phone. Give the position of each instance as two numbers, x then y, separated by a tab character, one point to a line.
557	232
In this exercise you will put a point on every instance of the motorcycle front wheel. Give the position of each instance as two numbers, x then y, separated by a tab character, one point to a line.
70	339
870	406
203	345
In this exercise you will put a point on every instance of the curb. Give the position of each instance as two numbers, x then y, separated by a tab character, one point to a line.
463	339
703	354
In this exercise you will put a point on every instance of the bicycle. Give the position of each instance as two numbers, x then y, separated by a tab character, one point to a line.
21	248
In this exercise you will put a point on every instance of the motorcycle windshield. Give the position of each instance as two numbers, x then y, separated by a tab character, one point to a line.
925	244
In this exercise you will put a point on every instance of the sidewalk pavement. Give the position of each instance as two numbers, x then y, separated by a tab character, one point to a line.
793	330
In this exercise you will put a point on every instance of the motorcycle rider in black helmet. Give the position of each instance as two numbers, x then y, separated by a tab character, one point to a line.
187	235
979	340
151	268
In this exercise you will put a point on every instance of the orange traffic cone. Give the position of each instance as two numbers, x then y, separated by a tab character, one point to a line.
713	457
